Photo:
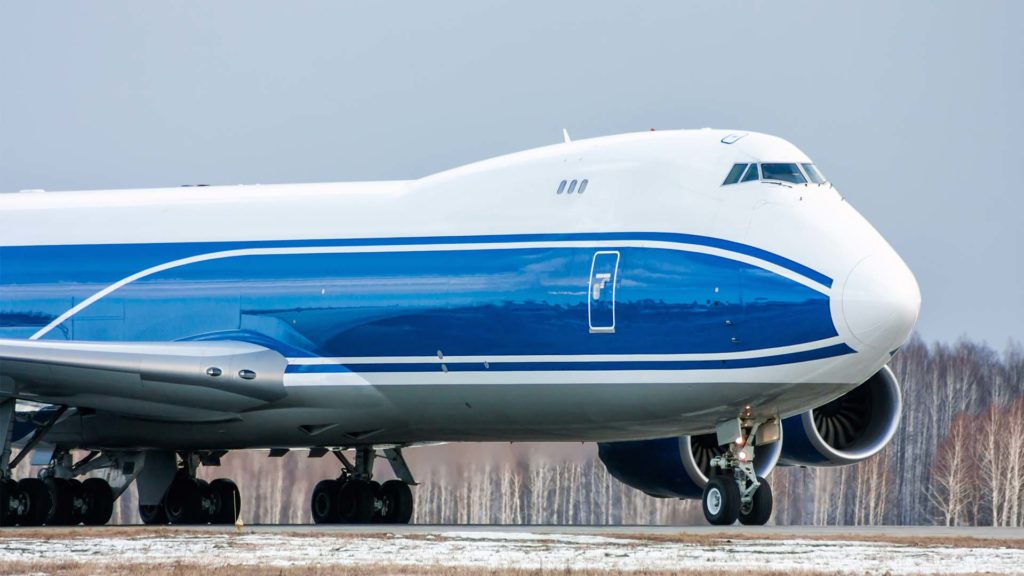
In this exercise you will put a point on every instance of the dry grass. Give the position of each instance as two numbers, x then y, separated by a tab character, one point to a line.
128	569
682	537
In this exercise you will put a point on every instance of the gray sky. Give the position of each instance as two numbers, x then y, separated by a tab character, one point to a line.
913	109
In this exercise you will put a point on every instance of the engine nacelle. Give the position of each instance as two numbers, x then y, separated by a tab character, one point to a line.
673	467
851	428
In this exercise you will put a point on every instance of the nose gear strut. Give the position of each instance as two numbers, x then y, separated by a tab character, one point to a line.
734	490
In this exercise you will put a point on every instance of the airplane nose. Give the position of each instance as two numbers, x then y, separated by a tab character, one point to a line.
881	301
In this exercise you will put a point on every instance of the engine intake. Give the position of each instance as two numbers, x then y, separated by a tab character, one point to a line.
847	430
673	467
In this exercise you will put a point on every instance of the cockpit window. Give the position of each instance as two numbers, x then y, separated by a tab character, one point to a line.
751	174
814	174
734	174
783	172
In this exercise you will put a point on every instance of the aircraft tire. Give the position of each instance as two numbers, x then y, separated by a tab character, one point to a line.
324	502
152	514
8	490
183	502
75	513
99	502
760	507
62	499
228	501
356	502
378	495
398	502
39	501
721	501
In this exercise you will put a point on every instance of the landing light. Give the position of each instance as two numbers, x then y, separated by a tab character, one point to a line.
740	441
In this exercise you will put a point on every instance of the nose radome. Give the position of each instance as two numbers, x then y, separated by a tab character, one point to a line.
881	301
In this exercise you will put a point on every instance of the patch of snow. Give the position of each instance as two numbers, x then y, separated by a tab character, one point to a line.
553	551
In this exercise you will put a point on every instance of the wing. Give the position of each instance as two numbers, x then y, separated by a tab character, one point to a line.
195	381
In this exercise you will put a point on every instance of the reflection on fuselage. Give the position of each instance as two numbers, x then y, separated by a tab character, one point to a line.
530	300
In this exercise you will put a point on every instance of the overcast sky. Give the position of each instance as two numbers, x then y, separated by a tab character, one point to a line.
913	109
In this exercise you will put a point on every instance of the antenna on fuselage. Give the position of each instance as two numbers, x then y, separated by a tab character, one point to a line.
565	136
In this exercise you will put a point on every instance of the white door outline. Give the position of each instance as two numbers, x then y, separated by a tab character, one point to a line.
597	287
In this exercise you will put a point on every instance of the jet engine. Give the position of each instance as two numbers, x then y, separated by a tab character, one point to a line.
673	467
851	428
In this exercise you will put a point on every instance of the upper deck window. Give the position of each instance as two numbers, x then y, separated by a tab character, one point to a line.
783	173
814	174
734	174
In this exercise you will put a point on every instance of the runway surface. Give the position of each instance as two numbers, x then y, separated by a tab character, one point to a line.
499	550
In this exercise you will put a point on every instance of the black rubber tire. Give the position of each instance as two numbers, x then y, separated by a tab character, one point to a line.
77	499
721	500
227	501
8	490
152	514
398	502
182	503
99	502
378	494
355	502
62	496
324	502
760	506
39	502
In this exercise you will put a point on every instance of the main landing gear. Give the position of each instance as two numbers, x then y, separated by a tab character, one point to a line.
191	500
734	490
355	498
55	498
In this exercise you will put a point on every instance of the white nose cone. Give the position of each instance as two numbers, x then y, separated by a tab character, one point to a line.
881	301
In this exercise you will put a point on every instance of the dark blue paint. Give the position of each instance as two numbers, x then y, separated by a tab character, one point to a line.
797	450
486	302
498	365
652	466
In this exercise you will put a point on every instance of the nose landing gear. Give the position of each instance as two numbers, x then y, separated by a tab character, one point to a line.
734	490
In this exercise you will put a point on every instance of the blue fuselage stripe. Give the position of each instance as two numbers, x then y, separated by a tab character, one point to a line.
499	366
486	296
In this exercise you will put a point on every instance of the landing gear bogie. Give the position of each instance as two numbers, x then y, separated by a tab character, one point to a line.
355	498
191	500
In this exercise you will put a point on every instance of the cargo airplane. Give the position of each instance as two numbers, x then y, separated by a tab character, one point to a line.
703	304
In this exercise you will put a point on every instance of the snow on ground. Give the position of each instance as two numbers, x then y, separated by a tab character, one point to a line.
552	551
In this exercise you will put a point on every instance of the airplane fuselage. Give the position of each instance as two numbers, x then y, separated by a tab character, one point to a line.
504	300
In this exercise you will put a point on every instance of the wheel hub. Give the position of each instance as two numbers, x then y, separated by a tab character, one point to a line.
714	501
